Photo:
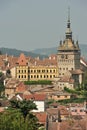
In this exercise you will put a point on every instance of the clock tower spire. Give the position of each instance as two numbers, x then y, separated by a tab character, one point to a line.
68	30
68	52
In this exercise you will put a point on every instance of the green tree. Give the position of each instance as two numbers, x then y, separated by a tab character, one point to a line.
85	81
2	87
14	118
8	73
25	106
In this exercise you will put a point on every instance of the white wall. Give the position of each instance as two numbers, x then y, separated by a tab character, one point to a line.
40	106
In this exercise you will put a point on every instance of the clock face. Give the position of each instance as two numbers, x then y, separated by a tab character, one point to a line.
62	56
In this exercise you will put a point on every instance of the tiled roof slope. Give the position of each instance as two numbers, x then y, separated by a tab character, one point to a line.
22	60
35	97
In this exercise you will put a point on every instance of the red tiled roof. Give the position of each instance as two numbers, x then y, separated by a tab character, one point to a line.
78	71
68	125
12	83
21	87
66	79
54	111
36	97
22	60
45	62
41	116
11	61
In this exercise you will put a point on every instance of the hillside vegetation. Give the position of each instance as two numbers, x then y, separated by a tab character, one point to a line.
42	52
53	50
16	52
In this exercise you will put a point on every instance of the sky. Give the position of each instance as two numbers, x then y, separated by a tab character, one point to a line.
31	24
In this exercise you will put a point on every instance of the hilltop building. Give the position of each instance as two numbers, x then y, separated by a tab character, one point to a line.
63	69
68	57
36	70
68	53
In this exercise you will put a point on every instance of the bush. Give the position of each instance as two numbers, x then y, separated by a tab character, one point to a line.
42	82
73	100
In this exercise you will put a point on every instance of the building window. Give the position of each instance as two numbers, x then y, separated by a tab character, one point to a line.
22	76
19	76
50	76
38	71
22	71
47	76
54	76
31	71
50	71
75	110
31	76
19	71
50	96
44	76
47	71
37	76
81	110
54	71
43	71
25	71
25	76
65	96
40	76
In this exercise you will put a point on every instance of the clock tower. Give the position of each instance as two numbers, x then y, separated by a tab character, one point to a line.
68	56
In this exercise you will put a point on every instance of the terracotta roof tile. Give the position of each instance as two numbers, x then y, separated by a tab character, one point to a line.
66	79
21	87
54	111
41	116
78	71
12	83
36	97
68	125
22	60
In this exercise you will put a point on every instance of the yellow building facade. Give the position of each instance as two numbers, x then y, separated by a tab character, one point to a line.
25	71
